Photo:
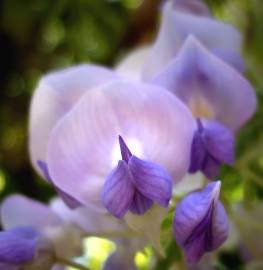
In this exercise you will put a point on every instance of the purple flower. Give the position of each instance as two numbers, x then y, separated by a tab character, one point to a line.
135	185
55	95
210	88
68	200
25	246
200	222
19	211
83	149
179	20
194	7
212	146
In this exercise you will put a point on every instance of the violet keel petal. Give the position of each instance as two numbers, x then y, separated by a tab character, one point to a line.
118	190
151	180
140	204
200	222
16	249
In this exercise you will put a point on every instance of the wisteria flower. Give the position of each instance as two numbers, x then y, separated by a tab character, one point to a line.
25	248
66	238
55	95
183	18
84	147
200	222
216	94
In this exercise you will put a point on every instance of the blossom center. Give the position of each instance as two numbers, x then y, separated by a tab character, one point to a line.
134	146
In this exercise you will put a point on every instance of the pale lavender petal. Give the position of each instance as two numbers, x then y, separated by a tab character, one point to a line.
15	249
88	219
18	210
211	88
200	222
176	26
151	180
232	58
195	7
132	64
118	190
84	146
140	204
54	96
69	200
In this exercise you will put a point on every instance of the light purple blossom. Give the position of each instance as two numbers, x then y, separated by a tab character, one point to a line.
83	147
195	7
181	19
135	185
200	222
25	247
56	94
210	88
65	237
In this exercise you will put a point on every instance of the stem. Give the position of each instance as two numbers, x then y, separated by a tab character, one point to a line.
71	264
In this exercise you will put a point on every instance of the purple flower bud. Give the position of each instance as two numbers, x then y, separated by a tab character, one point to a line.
135	184
212	146
200	222
25	246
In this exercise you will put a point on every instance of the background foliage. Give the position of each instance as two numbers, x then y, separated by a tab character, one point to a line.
40	35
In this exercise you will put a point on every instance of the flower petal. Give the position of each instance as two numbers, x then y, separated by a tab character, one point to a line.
15	249
55	95
151	180
200	222
84	146
18	210
219	142
232	58
131	65
195	7
198	153
211	167
210	87
140	204
118	190
69	200
92	222
176	26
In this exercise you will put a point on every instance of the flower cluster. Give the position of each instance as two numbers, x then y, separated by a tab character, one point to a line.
116	143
